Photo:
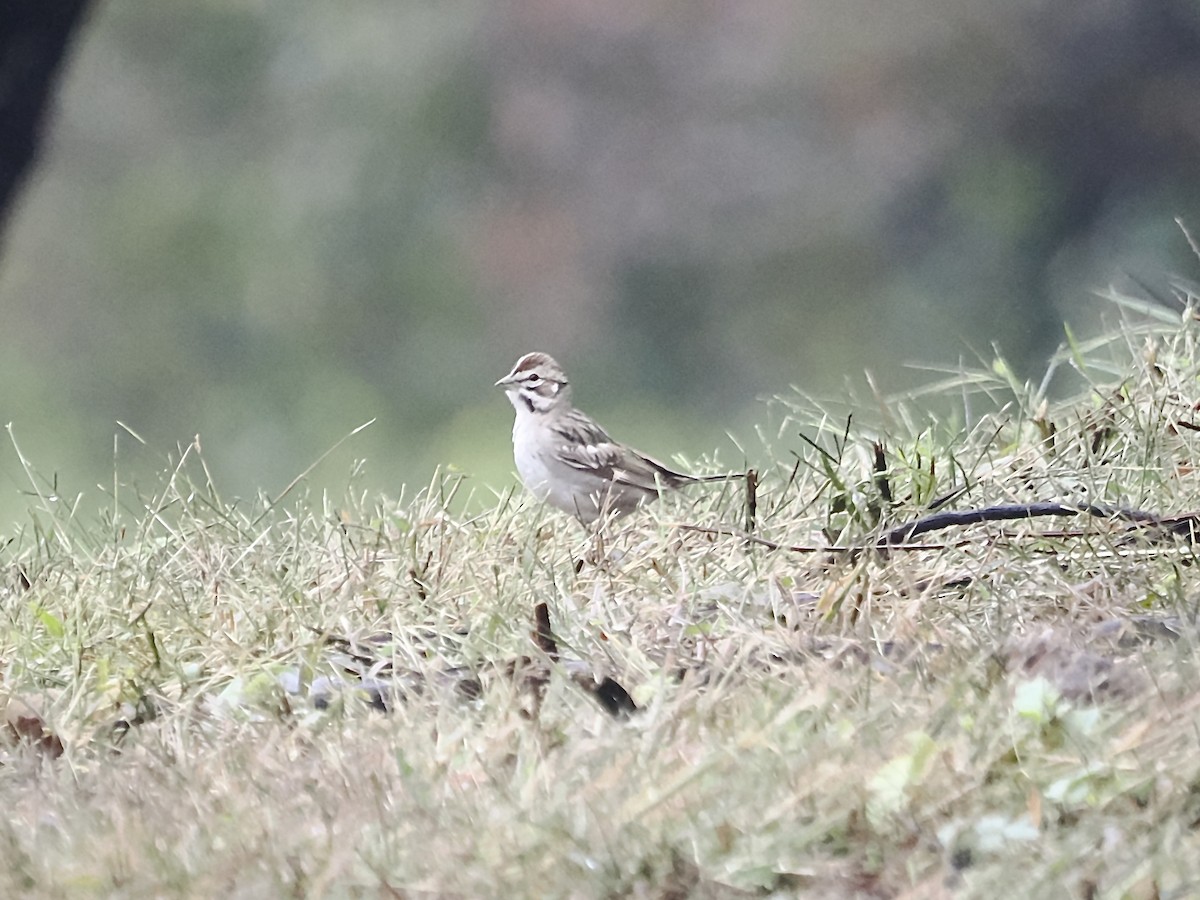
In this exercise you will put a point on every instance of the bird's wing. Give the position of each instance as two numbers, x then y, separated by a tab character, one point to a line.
587	447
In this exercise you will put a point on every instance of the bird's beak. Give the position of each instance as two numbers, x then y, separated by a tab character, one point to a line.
504	382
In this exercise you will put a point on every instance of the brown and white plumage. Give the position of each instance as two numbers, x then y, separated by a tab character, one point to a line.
565	458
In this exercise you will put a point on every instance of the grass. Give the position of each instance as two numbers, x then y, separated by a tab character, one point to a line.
1010	710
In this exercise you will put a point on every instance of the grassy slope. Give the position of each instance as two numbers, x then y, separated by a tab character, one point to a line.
1012	715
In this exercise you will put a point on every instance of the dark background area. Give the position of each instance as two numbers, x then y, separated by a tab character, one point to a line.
266	224
34	38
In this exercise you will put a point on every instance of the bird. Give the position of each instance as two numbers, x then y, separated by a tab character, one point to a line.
566	459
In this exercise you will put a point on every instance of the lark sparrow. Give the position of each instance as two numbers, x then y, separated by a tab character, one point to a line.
566	459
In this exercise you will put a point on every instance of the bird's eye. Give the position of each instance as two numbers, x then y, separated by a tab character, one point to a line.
533	378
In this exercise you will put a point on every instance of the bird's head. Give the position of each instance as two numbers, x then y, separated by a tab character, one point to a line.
536	383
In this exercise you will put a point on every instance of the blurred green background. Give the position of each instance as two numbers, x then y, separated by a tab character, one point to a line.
268	222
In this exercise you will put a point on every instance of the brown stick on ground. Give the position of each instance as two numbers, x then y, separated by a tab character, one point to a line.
542	635
610	694
902	534
1185	525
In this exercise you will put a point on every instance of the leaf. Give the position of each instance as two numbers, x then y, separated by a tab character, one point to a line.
52	623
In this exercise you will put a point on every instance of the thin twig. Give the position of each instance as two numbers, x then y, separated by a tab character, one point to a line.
1186	525
751	499
811	548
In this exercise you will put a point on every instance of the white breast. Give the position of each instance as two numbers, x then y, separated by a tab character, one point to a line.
548	479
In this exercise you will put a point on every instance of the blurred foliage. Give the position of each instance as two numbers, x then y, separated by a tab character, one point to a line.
267	223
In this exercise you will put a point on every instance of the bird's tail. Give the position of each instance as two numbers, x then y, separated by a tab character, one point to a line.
708	479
